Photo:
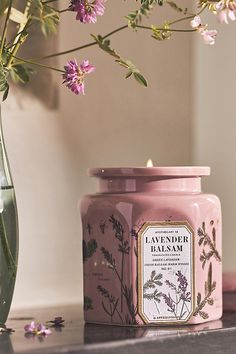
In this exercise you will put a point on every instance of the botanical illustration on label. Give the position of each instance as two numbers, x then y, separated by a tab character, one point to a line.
165	256
209	253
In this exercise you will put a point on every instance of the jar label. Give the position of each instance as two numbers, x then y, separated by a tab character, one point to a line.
165	267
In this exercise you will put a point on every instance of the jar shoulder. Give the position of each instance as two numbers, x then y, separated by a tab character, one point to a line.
147	200
150	196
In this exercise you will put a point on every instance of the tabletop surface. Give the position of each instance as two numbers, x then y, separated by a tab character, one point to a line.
76	337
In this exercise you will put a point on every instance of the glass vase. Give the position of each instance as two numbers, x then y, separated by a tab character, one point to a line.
8	233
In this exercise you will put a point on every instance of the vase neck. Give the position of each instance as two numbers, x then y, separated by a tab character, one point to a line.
5	175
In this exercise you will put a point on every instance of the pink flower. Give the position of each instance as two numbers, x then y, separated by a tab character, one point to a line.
88	10
208	35
74	75
37	329
226	9
223	16
196	22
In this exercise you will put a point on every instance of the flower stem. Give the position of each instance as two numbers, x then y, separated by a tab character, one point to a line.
166	29
181	312
4	33
119	315
57	10
6	247
21	60
81	47
17	42
157	308
104	37
122	279
48	1
188	17
115	31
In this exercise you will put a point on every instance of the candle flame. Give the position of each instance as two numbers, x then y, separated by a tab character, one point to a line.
149	163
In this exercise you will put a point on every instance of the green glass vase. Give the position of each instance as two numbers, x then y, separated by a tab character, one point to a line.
8	233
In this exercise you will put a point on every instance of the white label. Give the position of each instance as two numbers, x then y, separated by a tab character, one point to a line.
165	272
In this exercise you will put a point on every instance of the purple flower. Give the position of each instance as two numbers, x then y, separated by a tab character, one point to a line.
37	329
169	302
87	10
74	75
57	322
182	288
183	283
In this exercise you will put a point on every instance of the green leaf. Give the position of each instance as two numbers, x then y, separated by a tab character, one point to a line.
140	79
36	8
46	16
21	73
49	21
4	86
175	6
129	73
105	45
135	17
161	33
6	92
3	6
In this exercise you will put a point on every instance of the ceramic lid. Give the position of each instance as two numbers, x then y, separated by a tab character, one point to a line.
180	171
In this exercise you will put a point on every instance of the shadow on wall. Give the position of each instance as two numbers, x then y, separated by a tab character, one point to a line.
43	84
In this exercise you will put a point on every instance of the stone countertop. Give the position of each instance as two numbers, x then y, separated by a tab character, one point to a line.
213	337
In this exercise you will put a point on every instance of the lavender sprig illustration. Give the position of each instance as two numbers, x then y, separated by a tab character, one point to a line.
123	247
133	310
102	226
127	292
170	304
182	288
206	240
134	234
89	228
88	303
153	283
109	258
182	296
89	249
111	307
210	287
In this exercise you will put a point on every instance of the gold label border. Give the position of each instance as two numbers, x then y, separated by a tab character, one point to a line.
140	290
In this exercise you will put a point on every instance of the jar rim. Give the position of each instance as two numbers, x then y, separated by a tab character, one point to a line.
164	171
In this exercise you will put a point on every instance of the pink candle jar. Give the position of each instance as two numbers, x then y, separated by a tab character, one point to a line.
151	248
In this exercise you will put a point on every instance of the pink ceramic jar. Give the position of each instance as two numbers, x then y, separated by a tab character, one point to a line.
151	248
